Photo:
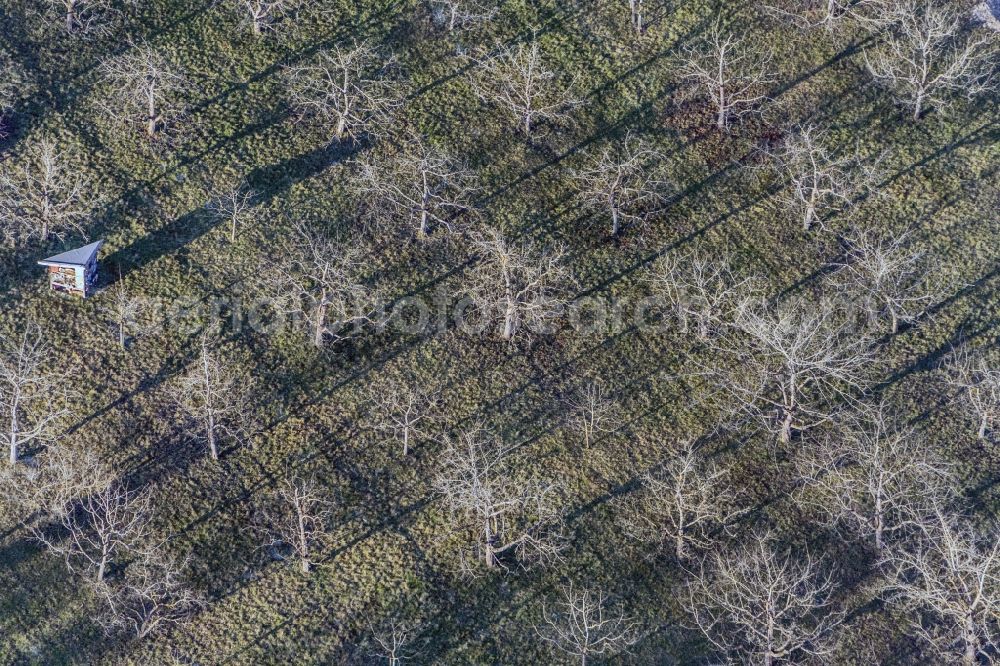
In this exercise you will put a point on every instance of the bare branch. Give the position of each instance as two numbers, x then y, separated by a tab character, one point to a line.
584	624
145	90
952	575
421	186
32	397
759	606
931	55
517	80
503	513
214	396
732	73
516	283
44	194
621	183
347	89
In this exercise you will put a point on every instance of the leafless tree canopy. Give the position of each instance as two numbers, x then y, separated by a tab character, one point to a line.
832	15
349	89
298	519
98	529
516	283
758	605
324	281
930	55
32	395
793	362
262	16
144	90
731	72
489	499
583	624
421	186
591	411
213	395
151	597
978	383
820	182
952	575
518	80
684	504
621	183
404	411
235	206
44	194
455	15
876	478
702	292
889	279
84	17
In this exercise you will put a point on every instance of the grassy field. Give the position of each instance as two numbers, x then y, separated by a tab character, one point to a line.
391	553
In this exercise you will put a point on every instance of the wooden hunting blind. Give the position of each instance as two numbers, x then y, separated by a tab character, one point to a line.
74	271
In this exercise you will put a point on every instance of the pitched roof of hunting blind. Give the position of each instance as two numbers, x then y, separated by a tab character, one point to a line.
81	256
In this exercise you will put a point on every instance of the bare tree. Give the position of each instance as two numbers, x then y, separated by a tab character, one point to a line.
978	383
61	475
394	642
12	84
84	17
458	14
321	279
347	88
888	279
235	206
403	410
793	362
100	528
930	55
32	396
124	309
637	16
952	575
421	186
591	411
516	283
517	80
821	183
732	73
584	624
487	496
622	183
152	597
683	504
831	15
760	606
214	397
145	90
703	291
875	477
298	518
44	194
262	15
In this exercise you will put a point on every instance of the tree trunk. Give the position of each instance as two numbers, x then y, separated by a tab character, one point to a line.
970	657
918	106
151	114
13	431
319	325
615	221
786	427
984	423
508	321
406	441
